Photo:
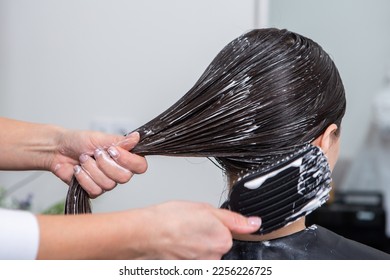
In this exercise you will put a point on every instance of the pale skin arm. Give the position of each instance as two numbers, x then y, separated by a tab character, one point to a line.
31	146
174	230
158	232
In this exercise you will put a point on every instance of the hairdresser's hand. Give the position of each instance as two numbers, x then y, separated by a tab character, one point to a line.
187	230
98	160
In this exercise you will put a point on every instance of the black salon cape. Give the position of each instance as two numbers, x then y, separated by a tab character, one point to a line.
313	243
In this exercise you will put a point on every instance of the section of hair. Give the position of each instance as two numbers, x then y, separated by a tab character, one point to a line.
265	93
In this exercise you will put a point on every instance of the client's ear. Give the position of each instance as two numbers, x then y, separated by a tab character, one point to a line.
326	139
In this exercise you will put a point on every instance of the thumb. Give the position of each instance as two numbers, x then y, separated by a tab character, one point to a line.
237	223
128	142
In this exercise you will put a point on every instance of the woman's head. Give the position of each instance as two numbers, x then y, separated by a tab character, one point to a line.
265	93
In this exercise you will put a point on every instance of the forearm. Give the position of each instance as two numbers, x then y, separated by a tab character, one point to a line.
27	145
95	236
163	231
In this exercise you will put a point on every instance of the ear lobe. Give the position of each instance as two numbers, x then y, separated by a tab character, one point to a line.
325	140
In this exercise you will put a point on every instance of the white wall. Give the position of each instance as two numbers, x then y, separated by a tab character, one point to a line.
72	62
356	35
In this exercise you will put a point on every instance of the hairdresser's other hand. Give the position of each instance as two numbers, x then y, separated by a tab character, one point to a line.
188	230
98	160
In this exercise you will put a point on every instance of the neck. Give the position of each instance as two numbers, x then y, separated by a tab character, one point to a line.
284	231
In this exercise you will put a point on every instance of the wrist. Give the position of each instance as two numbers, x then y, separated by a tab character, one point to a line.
28	146
137	238
48	146
119	235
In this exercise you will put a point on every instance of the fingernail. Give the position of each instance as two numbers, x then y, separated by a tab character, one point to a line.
113	152
83	158
58	166
98	152
254	221
133	136
76	169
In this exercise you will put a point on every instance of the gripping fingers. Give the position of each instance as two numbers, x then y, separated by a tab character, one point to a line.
120	153
110	167
135	163
91	178
87	183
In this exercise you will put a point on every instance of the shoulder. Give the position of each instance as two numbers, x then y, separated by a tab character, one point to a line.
334	246
313	243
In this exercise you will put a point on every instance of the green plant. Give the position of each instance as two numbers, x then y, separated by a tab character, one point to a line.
56	209
25	204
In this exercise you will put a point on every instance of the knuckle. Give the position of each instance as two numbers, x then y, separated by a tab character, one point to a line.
95	192
221	247
125	177
224	245
109	185
228	244
237	219
142	167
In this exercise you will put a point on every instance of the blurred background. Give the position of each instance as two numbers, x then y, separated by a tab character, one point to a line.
114	65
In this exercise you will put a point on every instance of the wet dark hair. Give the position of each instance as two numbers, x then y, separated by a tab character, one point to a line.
264	94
